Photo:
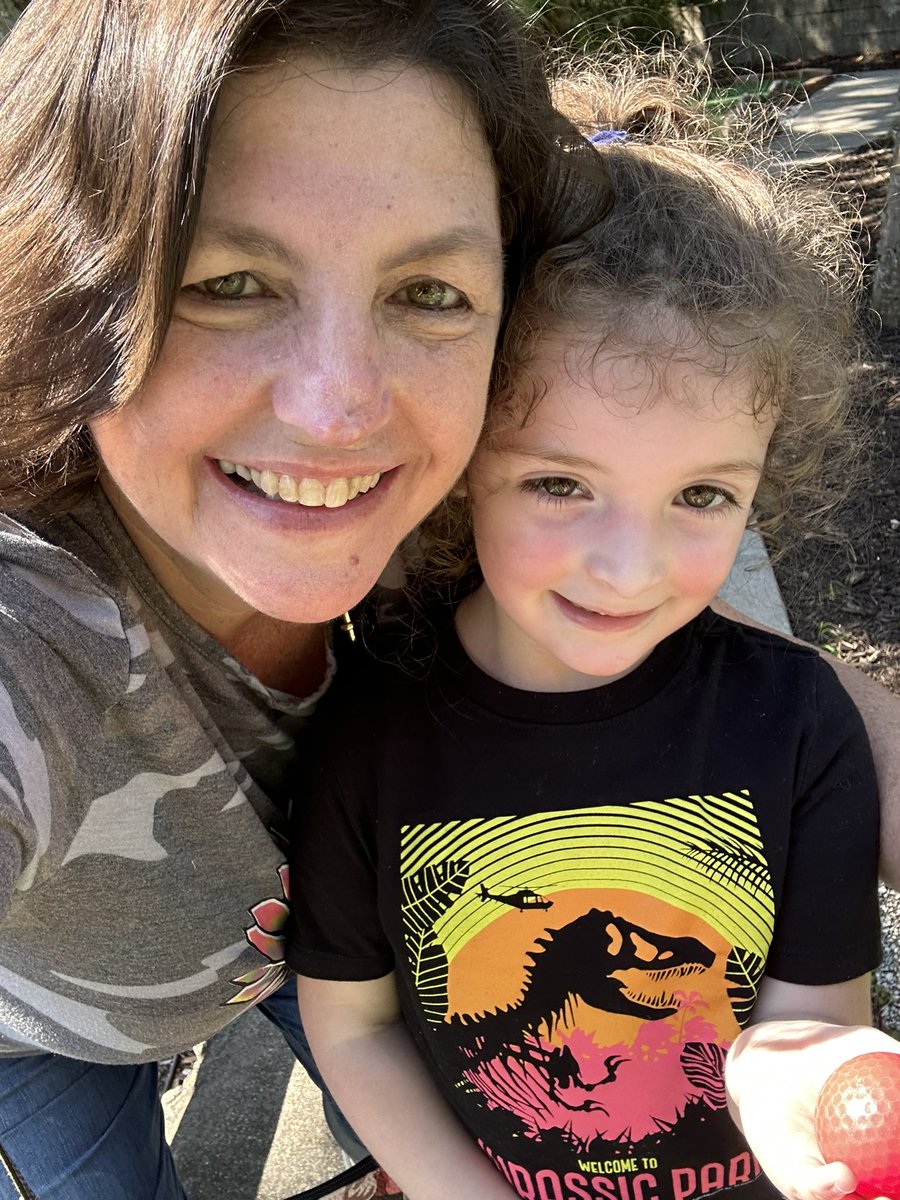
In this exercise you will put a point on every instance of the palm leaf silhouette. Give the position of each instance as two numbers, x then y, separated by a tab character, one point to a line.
743	971
732	865
426	897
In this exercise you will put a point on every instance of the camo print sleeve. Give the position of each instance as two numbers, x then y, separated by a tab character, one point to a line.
40	711
143	882
24	798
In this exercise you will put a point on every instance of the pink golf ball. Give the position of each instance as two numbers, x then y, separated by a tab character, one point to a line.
858	1122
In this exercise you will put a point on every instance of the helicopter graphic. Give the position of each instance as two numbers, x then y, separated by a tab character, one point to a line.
524	899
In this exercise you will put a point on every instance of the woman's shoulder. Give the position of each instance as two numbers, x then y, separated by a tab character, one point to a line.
56	607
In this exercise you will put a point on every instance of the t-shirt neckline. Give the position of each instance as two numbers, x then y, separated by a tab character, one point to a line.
608	700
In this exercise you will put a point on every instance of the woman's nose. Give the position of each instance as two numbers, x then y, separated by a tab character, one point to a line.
330	384
626	553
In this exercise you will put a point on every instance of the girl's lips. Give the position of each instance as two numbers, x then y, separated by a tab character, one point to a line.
601	622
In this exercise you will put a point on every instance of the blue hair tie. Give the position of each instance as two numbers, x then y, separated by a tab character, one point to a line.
606	137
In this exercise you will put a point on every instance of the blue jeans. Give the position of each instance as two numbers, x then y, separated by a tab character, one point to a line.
84	1130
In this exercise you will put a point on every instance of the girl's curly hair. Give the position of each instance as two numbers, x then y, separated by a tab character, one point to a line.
716	254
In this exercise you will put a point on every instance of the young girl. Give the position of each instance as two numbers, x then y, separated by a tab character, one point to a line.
543	881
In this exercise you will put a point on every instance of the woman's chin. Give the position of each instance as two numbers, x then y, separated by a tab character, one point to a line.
312	598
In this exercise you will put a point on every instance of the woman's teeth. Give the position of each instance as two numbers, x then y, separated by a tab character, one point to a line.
308	492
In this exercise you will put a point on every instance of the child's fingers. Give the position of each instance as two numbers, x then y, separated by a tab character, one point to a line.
784	1139
830	1181
811	1179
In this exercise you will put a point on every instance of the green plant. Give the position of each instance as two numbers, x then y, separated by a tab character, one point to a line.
828	637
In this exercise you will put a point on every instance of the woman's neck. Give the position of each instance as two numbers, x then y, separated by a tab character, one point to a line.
282	655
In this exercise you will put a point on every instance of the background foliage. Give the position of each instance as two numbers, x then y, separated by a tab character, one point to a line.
584	23
589	23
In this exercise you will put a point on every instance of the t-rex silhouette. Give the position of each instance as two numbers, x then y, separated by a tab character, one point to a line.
581	962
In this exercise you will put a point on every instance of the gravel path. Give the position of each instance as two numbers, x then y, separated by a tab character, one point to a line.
887	978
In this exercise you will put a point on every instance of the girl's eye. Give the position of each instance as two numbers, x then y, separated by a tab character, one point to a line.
237	285
703	496
434	294
559	487
553	487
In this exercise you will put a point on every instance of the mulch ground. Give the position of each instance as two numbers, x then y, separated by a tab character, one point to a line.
845	592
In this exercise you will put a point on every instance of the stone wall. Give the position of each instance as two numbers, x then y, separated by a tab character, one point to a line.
790	29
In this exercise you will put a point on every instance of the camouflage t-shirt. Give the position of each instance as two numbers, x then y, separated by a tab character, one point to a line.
144	782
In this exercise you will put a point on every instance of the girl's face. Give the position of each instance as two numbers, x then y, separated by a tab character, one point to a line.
611	519
324	377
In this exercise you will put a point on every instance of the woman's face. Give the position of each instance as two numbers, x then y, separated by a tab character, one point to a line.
324	377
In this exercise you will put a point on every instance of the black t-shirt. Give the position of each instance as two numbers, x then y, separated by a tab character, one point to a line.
580	892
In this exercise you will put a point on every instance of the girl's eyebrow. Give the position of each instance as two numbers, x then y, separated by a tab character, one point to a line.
547	454
740	466
562	458
247	239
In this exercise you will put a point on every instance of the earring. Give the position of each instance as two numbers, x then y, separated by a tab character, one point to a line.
347	626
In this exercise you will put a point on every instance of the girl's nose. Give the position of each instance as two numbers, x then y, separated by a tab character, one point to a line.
330	384
627	553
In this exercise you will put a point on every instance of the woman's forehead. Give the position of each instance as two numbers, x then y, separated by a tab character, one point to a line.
311	149
331	91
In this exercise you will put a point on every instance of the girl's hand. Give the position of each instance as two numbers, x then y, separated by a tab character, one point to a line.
774	1073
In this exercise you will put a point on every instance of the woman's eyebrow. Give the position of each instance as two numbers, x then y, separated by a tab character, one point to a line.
247	239
463	239
244	238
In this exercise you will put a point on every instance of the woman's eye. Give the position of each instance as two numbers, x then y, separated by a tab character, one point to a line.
432	293
703	496
237	285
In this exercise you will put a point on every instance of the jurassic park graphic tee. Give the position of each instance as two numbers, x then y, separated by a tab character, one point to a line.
580	893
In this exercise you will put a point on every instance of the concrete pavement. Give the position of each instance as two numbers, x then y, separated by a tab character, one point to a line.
847	113
248	1123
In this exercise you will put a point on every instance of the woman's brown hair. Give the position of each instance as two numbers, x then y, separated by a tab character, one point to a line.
105	115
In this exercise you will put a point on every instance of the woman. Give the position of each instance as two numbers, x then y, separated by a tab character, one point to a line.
258	252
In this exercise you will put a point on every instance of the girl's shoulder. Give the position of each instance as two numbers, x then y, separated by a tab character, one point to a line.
766	663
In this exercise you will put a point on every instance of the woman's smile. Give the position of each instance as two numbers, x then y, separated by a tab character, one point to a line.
309	492
324	504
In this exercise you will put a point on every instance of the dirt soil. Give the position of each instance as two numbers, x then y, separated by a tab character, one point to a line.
846	594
